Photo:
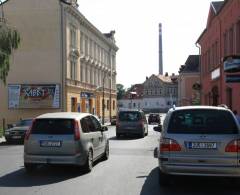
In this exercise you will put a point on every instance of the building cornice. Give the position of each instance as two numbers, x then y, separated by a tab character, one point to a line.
83	21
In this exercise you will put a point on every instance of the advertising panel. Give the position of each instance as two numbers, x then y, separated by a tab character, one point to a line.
33	96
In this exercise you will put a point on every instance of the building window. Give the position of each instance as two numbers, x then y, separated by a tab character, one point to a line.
231	43
73	37
114	104
225	44
107	104
238	38
134	105
81	43
73	71
86	45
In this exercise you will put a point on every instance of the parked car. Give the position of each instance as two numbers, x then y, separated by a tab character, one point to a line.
199	141
17	132
154	118
131	122
113	120
65	138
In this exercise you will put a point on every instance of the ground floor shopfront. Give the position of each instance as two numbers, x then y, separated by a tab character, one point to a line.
20	101
97	102
216	90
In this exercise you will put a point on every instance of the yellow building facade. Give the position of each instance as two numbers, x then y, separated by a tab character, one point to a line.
64	63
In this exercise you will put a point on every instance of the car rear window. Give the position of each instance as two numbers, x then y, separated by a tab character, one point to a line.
24	123
53	126
204	121
129	116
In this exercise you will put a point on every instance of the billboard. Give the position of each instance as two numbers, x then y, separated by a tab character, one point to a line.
33	96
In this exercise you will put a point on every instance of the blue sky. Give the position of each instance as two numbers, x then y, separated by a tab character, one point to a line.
136	25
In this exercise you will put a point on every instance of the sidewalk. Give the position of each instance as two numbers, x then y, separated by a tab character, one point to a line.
2	139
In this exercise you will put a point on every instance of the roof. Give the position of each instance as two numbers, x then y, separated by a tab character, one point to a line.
199	107
138	88
191	64
217	5
66	115
167	79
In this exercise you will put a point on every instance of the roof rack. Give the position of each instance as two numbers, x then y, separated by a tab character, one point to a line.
223	106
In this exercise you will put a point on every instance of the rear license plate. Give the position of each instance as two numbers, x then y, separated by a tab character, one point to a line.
45	143
16	137
202	145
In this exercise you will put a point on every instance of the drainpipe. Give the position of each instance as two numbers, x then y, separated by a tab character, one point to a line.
63	76
200	71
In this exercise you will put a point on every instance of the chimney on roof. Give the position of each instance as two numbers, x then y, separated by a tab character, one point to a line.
146	78
160	50
166	74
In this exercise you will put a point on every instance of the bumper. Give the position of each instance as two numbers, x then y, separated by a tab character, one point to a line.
200	170
16	138
130	131
78	159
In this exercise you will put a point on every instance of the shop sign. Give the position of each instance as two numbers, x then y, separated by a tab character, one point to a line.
232	64
33	96
215	74
86	95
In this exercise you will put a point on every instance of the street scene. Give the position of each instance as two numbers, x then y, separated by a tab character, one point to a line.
109	98
130	169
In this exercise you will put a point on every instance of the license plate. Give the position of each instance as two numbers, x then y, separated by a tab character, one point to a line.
16	137
50	143
202	145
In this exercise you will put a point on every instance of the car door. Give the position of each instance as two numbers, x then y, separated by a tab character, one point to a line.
95	136
100	134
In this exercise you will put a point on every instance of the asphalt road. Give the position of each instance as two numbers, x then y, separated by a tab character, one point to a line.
130	170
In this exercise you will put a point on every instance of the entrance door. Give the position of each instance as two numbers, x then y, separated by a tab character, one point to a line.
73	104
229	97
215	96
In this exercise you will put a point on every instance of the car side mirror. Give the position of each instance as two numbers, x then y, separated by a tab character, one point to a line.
104	128
158	128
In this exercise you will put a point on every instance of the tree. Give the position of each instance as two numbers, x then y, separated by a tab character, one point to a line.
120	91
9	41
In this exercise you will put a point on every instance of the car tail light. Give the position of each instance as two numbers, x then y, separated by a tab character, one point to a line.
233	146
141	122
76	131
28	133
169	145
117	122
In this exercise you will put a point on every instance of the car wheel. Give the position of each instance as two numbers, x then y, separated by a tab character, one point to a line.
30	167
164	179
142	135
146	133
89	161
106	153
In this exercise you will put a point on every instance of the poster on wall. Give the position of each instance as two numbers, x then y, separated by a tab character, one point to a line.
33	96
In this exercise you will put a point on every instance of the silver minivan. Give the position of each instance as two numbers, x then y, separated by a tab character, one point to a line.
199	141
65	138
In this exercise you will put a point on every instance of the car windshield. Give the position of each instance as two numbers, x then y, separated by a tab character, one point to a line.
22	123
129	116
53	126
202	121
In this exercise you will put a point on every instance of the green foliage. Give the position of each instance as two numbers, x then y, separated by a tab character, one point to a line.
9	41
1	132
120	91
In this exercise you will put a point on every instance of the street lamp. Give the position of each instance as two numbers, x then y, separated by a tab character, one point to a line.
103	100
